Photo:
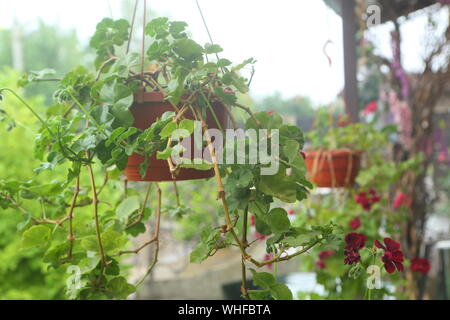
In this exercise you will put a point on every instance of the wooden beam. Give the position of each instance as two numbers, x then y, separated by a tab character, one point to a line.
350	59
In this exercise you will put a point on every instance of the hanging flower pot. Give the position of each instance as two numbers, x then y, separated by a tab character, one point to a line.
146	109
333	168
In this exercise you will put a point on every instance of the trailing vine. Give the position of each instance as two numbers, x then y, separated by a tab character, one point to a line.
93	133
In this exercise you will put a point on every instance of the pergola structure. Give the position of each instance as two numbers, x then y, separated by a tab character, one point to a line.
429	87
390	10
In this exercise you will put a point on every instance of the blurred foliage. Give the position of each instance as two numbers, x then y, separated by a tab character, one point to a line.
22	274
331	134
381	220
298	110
46	46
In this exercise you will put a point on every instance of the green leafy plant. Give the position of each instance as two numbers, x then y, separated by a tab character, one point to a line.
90	133
368	210
329	134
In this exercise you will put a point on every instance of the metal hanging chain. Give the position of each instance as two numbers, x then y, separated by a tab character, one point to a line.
206	25
143	43
110	9
133	20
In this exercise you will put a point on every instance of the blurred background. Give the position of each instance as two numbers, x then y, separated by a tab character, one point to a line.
301	69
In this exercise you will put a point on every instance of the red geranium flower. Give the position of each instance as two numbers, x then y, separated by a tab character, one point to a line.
322	256
420	265
401	200
291	212
442	157
355	241
371	107
252	221
367	199
259	236
325	254
320	264
351	257
355	223
393	256
270	112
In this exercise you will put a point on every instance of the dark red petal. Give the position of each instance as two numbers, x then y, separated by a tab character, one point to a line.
397	256
399	266
390	267
379	245
391	245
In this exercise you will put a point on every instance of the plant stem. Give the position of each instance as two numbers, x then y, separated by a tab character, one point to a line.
244	288
142	211
133	20
70	216
221	196
156	237
44	123
143	42
86	113
102	67
211	109
177	194
279	258
247	109
95	208
221	190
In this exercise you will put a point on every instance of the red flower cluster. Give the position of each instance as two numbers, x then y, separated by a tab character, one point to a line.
420	265
259	236
291	212
393	256
371	107
355	242
442	157
367	199
252	221
402	200
355	223
322	257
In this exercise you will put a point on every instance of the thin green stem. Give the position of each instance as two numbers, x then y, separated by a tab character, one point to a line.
212	111
86	113
96	218
70	217
44	123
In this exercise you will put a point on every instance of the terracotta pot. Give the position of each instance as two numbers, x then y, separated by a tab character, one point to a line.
145	113
333	168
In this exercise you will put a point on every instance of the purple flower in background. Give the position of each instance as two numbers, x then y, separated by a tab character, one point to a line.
399	72
402	117
439	139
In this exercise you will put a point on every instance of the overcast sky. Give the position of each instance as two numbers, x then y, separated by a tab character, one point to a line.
285	36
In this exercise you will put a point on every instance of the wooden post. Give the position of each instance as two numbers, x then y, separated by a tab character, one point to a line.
350	59
16	45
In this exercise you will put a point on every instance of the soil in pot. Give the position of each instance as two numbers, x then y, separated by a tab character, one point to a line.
146	110
333	168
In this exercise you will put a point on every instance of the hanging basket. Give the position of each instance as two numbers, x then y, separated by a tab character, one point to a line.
333	168
149	106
